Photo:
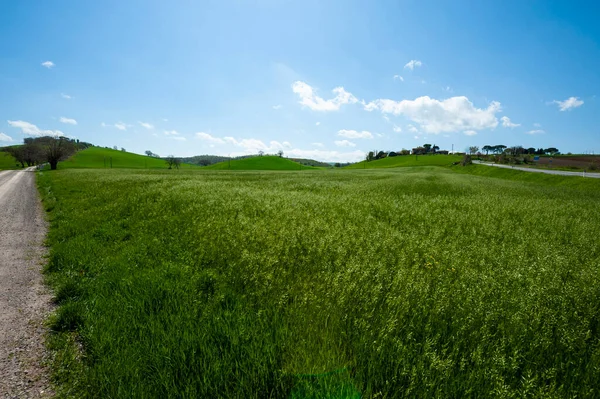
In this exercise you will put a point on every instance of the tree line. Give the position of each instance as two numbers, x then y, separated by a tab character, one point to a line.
39	150
516	150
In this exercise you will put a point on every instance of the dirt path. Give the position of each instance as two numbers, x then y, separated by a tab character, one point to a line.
24	301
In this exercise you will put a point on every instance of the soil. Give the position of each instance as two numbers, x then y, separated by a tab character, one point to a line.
24	300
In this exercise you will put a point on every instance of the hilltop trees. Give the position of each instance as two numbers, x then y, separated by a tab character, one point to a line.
173	161
49	149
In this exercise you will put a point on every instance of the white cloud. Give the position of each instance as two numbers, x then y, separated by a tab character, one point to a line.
317	124
65	96
209	138
412	129
398	77
386	118
470	132
48	64
344	143
353	134
32	130
412	64
507	123
171	132
179	138
327	156
309	99
252	146
537	125
278	106
165	120
68	121
447	88
537	131
317	144
569	103
397	129
435	116
120	126
146	125
4	137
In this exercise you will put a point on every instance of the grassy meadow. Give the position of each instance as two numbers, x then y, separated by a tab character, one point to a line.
407	160
7	161
266	162
394	283
105	158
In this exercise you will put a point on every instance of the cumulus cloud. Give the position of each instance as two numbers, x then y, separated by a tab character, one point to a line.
278	106
68	121
4	137
470	132
536	131
310	99
507	123
435	116
209	138
32	130
65	96
48	64
412	64
398	77
412	129
146	125
397	129
120	126
344	143
569	103
353	134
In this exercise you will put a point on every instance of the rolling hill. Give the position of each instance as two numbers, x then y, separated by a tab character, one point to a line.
99	157
260	163
407	160
7	161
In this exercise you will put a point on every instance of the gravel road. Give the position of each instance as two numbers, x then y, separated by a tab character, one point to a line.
550	172
24	301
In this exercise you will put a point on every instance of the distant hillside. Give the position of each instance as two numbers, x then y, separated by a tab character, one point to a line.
407	160
311	162
204	160
98	157
266	162
7	161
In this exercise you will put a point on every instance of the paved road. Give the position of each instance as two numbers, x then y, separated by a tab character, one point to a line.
547	171
24	302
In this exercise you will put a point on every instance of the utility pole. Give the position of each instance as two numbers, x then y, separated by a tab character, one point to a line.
452	149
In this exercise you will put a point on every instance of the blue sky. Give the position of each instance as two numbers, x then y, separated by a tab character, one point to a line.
328	80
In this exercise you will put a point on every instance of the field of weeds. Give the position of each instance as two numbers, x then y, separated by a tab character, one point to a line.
413	282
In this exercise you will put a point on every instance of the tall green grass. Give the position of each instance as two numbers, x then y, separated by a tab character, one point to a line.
411	283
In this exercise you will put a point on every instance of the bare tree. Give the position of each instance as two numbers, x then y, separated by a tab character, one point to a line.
280	153
473	149
172	161
55	149
261	153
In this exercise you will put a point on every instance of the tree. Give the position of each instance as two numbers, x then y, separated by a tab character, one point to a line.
56	149
261	153
473	149
487	149
280	153
149	153
171	160
380	155
115	148
551	151
531	150
404	151
370	156
435	148
123	149
17	153
427	148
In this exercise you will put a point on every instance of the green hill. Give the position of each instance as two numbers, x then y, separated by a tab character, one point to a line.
260	163
407	160
99	157
7	161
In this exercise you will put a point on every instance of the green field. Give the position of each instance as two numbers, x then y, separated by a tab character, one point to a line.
410	282
407	160
7	161
267	162
99	158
